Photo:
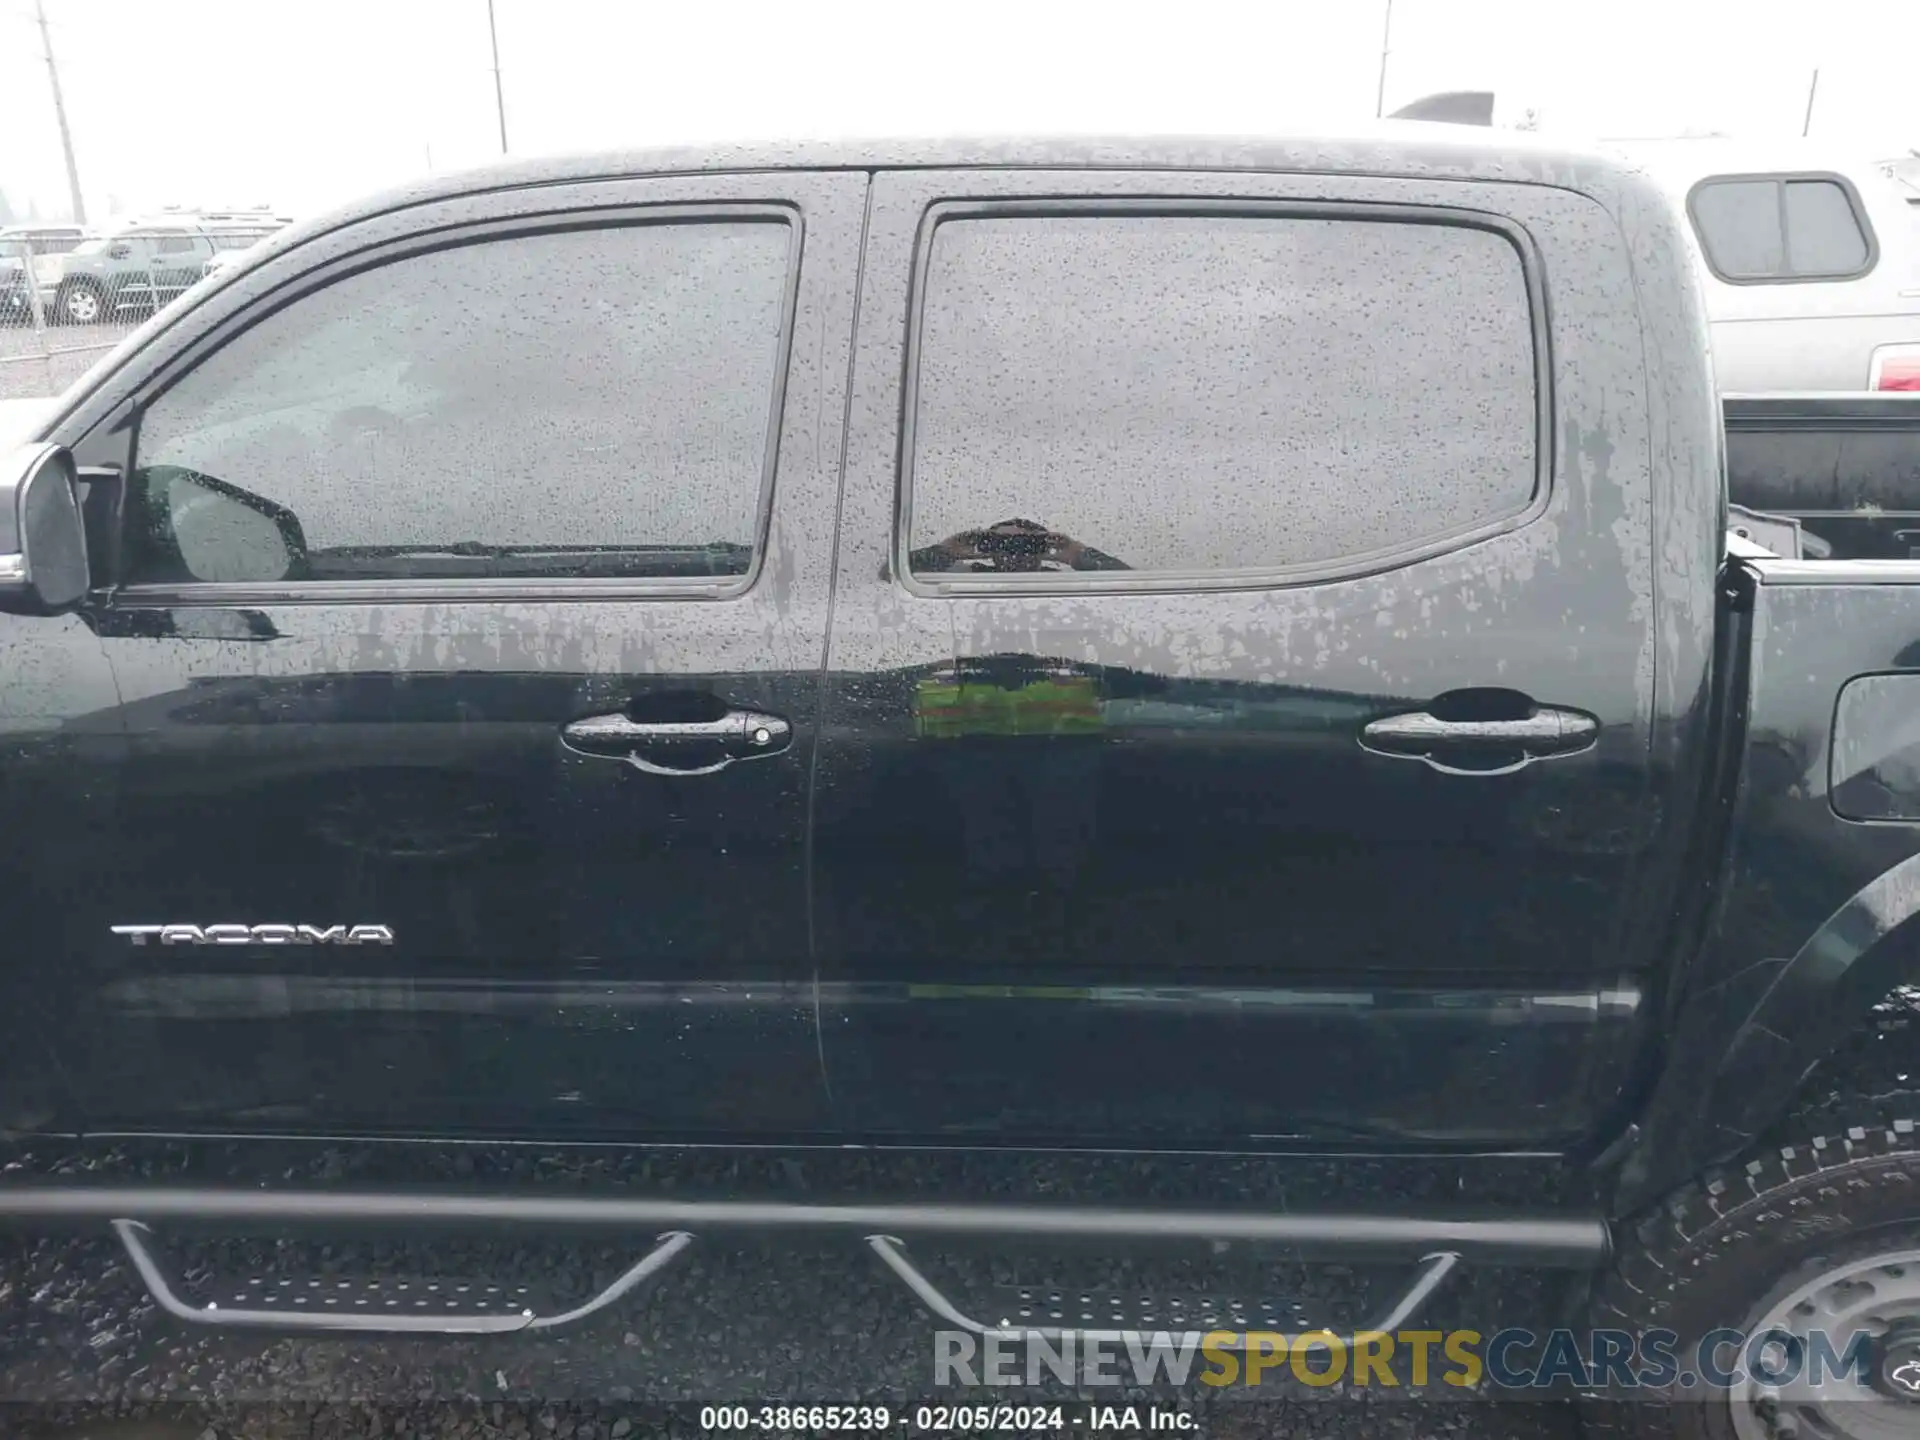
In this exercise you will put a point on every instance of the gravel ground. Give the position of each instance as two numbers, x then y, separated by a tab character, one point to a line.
26	370
83	1352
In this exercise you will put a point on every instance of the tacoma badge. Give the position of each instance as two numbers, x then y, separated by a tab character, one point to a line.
258	934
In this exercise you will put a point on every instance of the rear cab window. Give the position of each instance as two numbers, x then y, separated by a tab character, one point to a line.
1120	394
1780	229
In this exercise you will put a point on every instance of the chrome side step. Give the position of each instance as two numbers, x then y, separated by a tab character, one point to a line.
367	1308
1433	1272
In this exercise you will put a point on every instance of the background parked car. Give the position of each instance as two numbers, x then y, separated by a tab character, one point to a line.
1808	254
225	260
1808	259
40	248
142	266
16	291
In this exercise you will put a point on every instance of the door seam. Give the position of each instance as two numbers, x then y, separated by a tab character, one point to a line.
821	699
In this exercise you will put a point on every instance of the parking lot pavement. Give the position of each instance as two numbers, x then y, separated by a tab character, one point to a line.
27	370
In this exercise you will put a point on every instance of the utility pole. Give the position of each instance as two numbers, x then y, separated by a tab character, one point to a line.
499	100
60	114
1386	37
1813	89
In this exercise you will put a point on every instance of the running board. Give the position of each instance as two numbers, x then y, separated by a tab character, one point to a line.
1437	1247
1432	1273
374	1307
1521	1238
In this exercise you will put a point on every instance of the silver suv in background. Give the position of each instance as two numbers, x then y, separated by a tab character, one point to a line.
141	266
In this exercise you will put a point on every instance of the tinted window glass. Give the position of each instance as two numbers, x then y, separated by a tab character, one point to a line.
1823	234
1163	393
1739	226
589	403
1779	229
174	244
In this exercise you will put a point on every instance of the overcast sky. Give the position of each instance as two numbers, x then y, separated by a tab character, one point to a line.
304	103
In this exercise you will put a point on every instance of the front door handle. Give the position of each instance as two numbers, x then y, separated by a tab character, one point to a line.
680	747
1482	744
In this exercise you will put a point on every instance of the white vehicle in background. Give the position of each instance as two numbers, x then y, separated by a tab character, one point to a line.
37	248
1809	257
45	243
1808	253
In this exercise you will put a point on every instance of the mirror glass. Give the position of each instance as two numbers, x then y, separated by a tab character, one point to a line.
222	539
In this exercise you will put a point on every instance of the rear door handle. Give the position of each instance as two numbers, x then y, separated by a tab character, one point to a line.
1482	746
680	747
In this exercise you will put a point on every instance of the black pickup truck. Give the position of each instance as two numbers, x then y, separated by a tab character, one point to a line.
1176	649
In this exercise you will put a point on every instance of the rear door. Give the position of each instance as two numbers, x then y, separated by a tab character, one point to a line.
471	608
179	260
1239	691
131	276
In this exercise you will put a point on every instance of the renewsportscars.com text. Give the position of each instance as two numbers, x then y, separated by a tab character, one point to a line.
1514	1359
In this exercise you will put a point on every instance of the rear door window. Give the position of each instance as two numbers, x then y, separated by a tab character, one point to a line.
1215	394
1759	229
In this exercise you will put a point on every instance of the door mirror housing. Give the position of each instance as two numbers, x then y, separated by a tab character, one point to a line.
43	544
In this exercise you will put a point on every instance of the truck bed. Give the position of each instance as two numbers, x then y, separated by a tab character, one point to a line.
1846	467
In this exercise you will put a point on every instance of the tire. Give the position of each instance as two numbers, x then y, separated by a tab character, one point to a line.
1731	1248
81	304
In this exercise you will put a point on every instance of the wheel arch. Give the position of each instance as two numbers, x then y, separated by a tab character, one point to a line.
1741	1054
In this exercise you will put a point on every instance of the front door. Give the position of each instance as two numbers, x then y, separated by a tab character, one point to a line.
1238	713
470	614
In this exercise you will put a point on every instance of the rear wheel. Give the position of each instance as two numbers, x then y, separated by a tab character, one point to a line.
82	304
1808	1249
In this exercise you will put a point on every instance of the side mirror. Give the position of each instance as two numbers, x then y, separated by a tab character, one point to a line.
119	252
223	533
43	546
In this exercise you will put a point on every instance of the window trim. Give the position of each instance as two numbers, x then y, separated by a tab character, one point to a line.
1266	577
480	589
1779	179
